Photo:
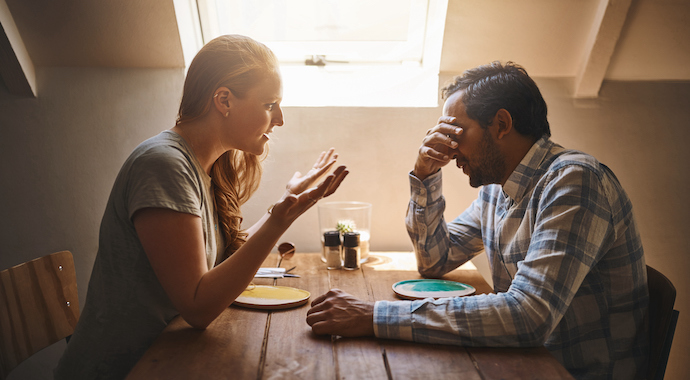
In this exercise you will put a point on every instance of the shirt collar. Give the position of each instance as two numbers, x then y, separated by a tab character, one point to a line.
521	179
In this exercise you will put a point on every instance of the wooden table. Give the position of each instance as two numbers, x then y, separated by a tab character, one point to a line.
257	344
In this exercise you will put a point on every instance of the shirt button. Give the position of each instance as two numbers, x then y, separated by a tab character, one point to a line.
433	188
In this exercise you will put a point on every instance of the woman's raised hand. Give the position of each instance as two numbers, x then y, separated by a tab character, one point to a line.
299	183
301	192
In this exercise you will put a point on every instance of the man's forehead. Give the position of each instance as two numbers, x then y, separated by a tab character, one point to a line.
454	105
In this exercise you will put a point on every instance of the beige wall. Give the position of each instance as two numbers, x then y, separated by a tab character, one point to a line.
59	155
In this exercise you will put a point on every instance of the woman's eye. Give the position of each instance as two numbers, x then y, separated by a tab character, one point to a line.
270	106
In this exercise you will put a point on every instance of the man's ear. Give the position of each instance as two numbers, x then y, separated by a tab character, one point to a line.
504	121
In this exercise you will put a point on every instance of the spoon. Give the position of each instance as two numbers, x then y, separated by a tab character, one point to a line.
286	250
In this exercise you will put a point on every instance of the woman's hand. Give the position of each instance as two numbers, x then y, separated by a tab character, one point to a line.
301	191
300	183
292	205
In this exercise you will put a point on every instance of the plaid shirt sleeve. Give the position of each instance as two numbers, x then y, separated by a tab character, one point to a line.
440	247
571	227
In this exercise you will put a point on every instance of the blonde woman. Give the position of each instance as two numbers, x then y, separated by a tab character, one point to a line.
171	240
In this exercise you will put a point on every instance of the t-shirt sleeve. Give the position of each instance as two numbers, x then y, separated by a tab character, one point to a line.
163	178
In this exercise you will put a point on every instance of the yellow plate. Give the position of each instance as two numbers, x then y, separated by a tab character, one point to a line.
272	297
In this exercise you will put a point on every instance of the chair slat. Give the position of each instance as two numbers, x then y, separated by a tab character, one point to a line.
40	306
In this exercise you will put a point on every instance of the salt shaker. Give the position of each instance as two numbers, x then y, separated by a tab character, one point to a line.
351	250
331	241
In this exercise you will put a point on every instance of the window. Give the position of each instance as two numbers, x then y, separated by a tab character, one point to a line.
341	52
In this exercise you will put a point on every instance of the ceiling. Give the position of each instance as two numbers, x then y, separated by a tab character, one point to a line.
587	40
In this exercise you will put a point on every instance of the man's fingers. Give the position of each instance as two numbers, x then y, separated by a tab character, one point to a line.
320	328
447	120
317	301
433	154
445	129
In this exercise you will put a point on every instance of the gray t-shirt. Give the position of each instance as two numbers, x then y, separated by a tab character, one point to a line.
126	307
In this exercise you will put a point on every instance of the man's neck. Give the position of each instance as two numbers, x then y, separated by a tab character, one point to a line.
515	151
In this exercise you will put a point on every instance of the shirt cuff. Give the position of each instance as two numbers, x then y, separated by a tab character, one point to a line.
393	320
428	191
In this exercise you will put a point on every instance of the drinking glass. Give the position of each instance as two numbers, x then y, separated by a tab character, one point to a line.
347	216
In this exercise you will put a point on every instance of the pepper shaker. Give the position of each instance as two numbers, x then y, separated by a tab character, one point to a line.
351	250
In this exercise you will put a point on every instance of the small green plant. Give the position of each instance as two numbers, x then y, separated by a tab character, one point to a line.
344	226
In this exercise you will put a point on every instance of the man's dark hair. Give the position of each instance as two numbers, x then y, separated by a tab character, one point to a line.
491	87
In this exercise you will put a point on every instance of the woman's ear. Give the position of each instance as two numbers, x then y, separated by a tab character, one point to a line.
223	100
504	121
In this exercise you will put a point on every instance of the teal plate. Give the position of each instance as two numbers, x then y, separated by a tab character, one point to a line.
427	288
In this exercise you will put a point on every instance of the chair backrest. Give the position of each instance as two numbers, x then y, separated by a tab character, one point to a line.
662	321
39	306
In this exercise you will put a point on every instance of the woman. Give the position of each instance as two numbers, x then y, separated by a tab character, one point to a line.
171	240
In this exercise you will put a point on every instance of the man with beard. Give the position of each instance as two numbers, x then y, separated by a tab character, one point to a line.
566	258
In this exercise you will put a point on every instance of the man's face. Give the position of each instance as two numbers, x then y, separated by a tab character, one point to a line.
477	153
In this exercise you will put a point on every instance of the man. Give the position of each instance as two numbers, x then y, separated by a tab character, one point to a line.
566	258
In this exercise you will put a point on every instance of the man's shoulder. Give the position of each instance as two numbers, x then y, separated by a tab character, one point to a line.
563	158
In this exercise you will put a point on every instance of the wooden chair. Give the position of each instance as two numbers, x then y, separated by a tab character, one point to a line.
39	306
662	321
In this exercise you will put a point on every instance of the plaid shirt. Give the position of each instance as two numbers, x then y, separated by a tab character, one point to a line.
566	260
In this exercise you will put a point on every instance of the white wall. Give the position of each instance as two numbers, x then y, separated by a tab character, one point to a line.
59	155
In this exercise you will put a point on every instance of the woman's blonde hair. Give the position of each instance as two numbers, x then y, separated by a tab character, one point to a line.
238	63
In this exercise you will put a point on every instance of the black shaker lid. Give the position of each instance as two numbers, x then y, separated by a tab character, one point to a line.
331	238
351	239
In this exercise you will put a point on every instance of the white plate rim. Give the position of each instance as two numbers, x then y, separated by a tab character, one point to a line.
417	295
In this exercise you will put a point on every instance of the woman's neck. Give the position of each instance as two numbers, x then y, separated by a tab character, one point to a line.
202	139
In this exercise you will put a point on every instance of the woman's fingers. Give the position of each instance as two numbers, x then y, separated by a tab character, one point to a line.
340	173
316	173
325	157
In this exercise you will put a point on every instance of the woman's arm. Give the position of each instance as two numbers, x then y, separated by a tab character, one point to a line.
174	244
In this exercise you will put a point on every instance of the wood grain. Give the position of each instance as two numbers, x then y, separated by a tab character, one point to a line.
518	363
404	357
292	350
40	306
360	358
258	344
231	348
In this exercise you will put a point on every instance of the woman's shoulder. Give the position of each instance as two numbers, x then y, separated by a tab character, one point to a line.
163	155
166	142
167	146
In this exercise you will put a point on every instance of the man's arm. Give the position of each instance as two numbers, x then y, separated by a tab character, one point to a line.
440	247
558	259
570	234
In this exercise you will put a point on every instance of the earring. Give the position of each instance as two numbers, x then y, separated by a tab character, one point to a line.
227	113
215	96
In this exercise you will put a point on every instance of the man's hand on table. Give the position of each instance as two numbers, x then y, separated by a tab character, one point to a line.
339	313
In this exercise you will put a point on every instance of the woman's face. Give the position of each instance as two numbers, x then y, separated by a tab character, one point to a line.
253	117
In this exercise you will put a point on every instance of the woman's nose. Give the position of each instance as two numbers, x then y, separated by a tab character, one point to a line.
278	117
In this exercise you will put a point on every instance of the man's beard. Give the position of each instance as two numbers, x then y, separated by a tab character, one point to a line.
490	166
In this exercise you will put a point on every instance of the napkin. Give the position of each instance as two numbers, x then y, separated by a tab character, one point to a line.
270	273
